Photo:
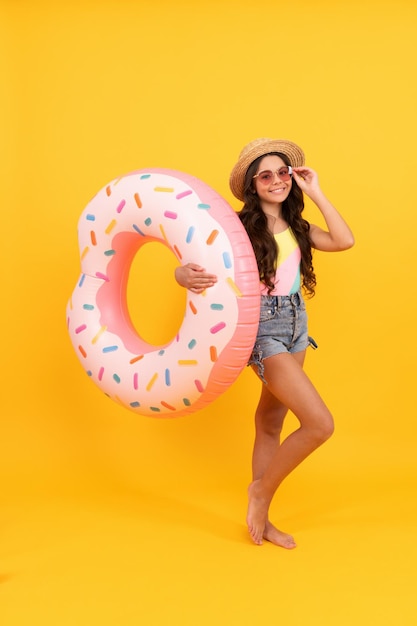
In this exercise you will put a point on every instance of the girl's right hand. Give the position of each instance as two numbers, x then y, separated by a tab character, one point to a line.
194	277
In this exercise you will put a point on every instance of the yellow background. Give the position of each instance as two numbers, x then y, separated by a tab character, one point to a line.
110	518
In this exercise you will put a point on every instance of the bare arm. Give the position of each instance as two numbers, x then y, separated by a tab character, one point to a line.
338	236
194	277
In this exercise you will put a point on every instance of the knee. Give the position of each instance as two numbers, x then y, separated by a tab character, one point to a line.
324	428
270	422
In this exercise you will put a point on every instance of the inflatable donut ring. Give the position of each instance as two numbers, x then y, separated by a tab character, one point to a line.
219	327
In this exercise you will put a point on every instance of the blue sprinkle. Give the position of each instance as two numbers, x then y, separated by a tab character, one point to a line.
110	349
216	307
138	230
155	408
167	378
134	405
190	234
227	260
116	378
161	352
145	176
203	206
89	373
192	344
109	252
90	217
88	307
186	402
148	221
80	284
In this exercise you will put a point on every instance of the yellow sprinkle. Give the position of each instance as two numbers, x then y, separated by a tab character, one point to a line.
161	228
84	252
110	227
100	332
118	180
165	189
151	382
234	287
187	362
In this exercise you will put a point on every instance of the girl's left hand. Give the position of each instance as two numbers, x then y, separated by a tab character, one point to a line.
307	179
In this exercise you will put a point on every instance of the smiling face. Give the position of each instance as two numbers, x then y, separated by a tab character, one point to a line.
275	192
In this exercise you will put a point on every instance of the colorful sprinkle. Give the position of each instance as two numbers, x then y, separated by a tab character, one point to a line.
138	200
170	215
203	206
179	255
102	276
84	252
186	402
213	354
148	221
161	352
143	176
161	228
135	404
217	327
227	260
93	238
138	230
89	373
100	373
80	329
82	279
90	217
235	288
97	336
156	409
110	227
187	362
168	406
136	359
167	378
193	307
183	194
109	252
216	307
212	237
164	189
116	378
151	382
199	385
88	307
108	190
110	349
192	344
190	234
120	206
135	380
83	352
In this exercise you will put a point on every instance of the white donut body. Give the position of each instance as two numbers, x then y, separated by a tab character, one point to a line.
219	327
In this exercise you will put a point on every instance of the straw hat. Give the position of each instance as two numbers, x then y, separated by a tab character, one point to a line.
257	148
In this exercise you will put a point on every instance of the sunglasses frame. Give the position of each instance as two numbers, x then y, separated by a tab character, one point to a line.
276	172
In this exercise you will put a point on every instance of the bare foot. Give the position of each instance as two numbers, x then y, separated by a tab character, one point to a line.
257	513
277	537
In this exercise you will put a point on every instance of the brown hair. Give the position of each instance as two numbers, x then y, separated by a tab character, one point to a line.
263	242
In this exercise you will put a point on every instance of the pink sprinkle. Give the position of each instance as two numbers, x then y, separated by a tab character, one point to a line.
199	385
217	327
121	205
80	328
135	380
103	276
170	215
183	194
100	373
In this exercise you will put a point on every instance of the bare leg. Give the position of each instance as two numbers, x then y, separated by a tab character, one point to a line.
288	383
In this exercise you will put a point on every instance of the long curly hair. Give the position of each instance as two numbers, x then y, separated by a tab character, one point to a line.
263	242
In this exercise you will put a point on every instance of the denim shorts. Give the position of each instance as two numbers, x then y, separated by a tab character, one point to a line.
282	328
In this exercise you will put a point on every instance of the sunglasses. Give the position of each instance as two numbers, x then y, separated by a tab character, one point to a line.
267	176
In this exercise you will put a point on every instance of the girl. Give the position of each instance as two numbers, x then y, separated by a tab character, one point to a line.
270	178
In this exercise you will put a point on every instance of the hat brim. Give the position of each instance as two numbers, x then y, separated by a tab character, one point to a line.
263	147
